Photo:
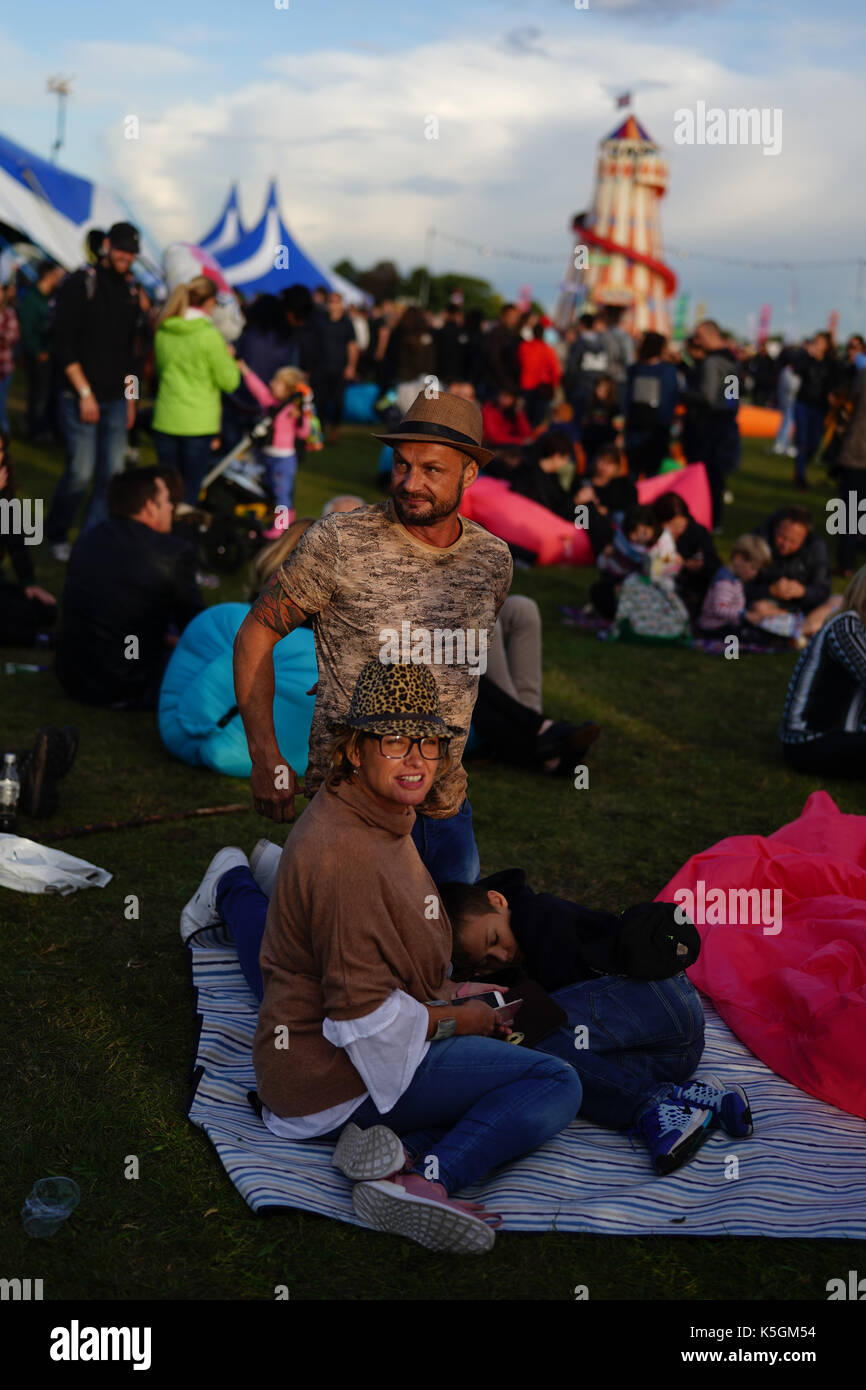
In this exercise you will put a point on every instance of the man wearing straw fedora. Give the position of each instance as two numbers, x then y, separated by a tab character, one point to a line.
406	579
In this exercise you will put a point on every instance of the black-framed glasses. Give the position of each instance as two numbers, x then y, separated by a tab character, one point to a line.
397	746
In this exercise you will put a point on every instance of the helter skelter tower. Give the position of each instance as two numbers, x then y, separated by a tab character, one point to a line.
623	261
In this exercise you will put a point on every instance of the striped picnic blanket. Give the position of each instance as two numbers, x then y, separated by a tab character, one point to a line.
802	1174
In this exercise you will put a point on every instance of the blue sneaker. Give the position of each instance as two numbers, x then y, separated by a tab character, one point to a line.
672	1131
728	1103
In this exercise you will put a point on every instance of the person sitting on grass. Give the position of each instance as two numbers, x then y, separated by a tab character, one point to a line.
823	728
538	477
130	590
504	421
797	578
508	719
695	546
627	553
608	494
725	610
354	964
632	1023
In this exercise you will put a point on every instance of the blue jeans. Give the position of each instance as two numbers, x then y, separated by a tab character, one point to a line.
642	1037
475	1103
447	847
810	425
190	454
94	453
5	383
281	470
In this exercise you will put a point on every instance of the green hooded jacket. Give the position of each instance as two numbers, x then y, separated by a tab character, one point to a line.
194	367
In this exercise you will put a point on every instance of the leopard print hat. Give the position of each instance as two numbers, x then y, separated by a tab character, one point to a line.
396	697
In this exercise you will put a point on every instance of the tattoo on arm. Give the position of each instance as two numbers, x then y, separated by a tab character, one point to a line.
273	610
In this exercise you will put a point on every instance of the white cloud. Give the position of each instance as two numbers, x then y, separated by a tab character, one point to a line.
519	121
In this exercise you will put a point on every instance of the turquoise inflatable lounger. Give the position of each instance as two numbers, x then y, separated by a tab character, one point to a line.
198	722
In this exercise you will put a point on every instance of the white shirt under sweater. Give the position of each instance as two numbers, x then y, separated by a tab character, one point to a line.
386	1047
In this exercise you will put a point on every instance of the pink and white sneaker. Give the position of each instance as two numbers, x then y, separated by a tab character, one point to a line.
408	1205
365	1154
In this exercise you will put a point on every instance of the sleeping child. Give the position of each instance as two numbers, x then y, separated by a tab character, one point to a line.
629	1021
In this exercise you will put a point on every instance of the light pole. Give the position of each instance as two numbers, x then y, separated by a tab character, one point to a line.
60	86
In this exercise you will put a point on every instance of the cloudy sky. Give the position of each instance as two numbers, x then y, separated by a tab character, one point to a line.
333	98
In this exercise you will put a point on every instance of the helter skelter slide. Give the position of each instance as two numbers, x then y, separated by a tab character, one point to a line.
623	263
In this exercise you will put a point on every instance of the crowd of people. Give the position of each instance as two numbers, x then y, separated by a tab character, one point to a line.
371	935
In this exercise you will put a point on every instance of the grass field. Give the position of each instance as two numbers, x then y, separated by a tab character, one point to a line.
98	1010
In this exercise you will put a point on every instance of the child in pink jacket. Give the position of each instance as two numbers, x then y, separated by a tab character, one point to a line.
286	392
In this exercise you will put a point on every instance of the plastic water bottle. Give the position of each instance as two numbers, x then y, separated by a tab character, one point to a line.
10	790
47	1205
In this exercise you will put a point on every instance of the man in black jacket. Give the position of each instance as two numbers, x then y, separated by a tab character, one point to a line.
96	322
716	395
814	366
634	1027
130	590
798	577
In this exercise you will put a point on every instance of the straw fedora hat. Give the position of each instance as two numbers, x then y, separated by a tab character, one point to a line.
444	419
396	698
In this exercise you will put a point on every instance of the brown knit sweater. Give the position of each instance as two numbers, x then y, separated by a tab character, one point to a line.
346	926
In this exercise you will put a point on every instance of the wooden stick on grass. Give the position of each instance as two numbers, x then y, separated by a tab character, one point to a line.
98	827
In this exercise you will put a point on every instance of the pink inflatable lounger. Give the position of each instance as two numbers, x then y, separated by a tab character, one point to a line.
517	520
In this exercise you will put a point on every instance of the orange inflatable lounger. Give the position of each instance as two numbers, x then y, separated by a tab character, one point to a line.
757	422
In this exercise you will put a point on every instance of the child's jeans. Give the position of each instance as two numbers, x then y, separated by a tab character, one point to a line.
629	1041
281	470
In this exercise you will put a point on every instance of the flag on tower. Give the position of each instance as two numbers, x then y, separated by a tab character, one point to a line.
623	100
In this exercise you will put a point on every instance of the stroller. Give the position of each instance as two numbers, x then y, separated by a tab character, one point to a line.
233	507
235	504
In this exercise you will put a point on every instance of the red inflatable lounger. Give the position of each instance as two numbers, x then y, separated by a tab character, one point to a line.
516	519
790	979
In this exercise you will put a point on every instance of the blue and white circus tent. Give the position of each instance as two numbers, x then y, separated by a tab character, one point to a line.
55	209
229	229
267	259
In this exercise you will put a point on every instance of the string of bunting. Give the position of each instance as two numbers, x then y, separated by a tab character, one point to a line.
484	250
680	251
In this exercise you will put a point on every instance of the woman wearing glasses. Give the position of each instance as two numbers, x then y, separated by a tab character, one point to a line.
360	1039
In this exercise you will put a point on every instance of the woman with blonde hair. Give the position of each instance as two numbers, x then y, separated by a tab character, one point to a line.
195	365
412	1081
823	726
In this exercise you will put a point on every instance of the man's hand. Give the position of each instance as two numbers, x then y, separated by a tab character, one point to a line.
88	409
787	589
761	608
130	414
585	493
34	591
275	787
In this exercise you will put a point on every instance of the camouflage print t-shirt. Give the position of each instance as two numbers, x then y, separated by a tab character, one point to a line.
375	591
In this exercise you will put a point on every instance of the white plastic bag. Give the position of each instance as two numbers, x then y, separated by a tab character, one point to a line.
31	868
